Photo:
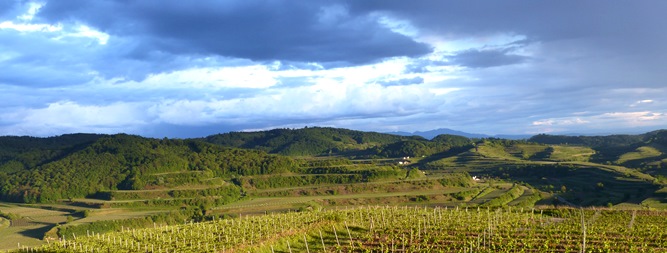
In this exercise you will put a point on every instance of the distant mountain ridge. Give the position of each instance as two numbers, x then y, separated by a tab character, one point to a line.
433	133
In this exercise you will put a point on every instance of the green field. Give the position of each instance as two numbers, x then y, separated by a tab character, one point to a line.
640	153
29	228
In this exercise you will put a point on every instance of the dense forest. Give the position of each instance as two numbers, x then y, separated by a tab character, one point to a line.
306	141
611	141
323	141
116	162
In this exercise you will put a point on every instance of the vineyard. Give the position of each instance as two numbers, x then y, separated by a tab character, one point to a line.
394	229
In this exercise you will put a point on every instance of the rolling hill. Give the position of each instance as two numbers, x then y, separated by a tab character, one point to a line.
85	177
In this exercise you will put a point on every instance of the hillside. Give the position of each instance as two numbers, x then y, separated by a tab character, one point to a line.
592	141
124	162
646	152
84	165
305	141
21	152
321	141
74	184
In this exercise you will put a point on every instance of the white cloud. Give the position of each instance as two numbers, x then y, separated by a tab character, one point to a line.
326	99
83	31
33	8
560	122
255	77
24	24
638	118
443	91
620	120
640	102
401	26
68	116
26	27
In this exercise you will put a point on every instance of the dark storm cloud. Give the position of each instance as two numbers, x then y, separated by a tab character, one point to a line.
491	66
541	20
305	31
614	27
475	58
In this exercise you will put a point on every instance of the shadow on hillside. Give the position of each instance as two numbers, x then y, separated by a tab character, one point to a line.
583	185
449	153
38	233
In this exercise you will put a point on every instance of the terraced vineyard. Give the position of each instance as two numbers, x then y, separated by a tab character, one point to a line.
395	229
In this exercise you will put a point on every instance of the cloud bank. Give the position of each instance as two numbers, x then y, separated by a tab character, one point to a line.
186	69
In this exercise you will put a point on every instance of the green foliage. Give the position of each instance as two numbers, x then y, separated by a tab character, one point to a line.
297	180
466	195
406	148
315	141
506	197
130	162
227	190
451	140
186	214
176	202
641	153
309	163
126	167
456	179
414	173
10	216
421	147
590	141
306	141
24	152
657	137
368	174
570	153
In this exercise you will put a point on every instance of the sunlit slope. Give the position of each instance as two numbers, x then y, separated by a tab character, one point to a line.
639	154
399	229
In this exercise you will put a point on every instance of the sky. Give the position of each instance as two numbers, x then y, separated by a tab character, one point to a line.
180	69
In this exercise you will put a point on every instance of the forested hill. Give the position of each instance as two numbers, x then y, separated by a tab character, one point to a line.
307	141
81	165
641	150
314	141
20	152
95	163
659	136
